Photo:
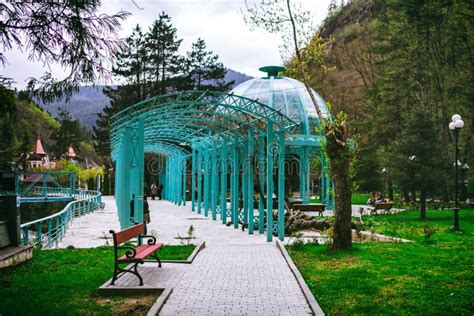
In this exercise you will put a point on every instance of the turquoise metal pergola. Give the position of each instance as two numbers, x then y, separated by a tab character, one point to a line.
231	149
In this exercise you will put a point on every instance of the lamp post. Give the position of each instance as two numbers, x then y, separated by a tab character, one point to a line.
456	125
465	170
384	173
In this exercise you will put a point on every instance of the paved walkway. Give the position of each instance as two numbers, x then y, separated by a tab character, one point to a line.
167	222
237	280
236	274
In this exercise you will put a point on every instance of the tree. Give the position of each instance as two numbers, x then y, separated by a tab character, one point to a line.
68	134
414	160
69	33
7	139
204	70
131	68
280	16
7	111
131	61
426	62
332	9
120	98
162	44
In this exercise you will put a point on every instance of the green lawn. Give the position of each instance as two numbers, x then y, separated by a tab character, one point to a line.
65	282
360	198
419	278
357	198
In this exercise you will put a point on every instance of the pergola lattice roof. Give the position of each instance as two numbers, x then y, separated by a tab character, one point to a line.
174	121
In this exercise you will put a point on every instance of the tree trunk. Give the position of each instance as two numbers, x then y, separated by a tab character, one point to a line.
390	190
339	155
423	204
406	196
338	152
296	221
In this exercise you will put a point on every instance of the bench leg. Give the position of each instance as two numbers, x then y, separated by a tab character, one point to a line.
116	268
135	268
155	255
118	271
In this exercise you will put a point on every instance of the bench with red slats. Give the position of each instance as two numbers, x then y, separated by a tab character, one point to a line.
133	254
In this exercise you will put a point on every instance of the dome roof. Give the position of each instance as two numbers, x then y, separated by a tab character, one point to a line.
286	95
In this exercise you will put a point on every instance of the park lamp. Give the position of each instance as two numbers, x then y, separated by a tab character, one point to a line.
457	122
456	125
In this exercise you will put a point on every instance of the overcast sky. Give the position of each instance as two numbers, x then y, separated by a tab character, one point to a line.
218	22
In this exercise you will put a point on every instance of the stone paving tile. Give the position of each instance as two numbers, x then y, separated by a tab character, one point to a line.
237	280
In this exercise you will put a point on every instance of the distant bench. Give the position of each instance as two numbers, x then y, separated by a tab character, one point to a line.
384	206
135	254
313	207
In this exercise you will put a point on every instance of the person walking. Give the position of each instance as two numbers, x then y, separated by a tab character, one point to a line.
132	210
146	213
153	190
160	191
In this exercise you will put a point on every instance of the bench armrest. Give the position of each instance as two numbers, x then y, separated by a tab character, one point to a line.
131	252
151	239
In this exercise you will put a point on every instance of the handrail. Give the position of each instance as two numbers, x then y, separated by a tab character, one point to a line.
56	225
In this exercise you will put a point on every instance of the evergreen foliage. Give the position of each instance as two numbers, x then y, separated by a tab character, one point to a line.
70	133
203	69
149	65
70	33
163	62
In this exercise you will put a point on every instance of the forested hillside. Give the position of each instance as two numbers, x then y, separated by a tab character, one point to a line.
401	69
31	121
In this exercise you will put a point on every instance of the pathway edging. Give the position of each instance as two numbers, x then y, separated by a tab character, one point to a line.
160	302
313	304
191	257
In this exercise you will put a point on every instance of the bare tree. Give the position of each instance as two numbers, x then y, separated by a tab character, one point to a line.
285	18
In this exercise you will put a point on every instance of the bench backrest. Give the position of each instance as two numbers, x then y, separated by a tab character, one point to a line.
128	233
383	206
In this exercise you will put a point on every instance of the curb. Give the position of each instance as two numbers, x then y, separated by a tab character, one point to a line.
191	257
160	302
313	304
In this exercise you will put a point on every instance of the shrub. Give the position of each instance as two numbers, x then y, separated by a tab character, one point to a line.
428	232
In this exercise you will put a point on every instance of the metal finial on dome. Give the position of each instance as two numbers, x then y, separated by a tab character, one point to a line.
272	71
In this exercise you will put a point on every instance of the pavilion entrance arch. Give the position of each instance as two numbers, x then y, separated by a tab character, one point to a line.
228	147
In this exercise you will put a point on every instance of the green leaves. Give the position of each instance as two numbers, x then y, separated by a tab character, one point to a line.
69	33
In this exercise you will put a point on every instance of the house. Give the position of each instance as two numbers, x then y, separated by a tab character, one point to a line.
38	158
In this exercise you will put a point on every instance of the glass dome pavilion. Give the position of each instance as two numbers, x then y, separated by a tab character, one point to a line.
291	98
286	95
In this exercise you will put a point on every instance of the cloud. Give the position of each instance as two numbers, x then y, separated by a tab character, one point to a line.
218	22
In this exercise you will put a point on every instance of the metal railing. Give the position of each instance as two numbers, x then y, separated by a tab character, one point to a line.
48	231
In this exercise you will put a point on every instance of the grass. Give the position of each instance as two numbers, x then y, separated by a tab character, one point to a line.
419	278
357	198
65	282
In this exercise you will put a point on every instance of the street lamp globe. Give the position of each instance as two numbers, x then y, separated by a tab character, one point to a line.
459	123
456	117
452	126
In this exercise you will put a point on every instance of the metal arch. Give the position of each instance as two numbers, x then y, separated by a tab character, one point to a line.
223	124
167	149
205	98
226	114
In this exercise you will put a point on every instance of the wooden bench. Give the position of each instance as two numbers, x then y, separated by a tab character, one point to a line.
134	254
313	207
384	206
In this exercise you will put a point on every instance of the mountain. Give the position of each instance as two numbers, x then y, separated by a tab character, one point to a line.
86	103
238	77
83	105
